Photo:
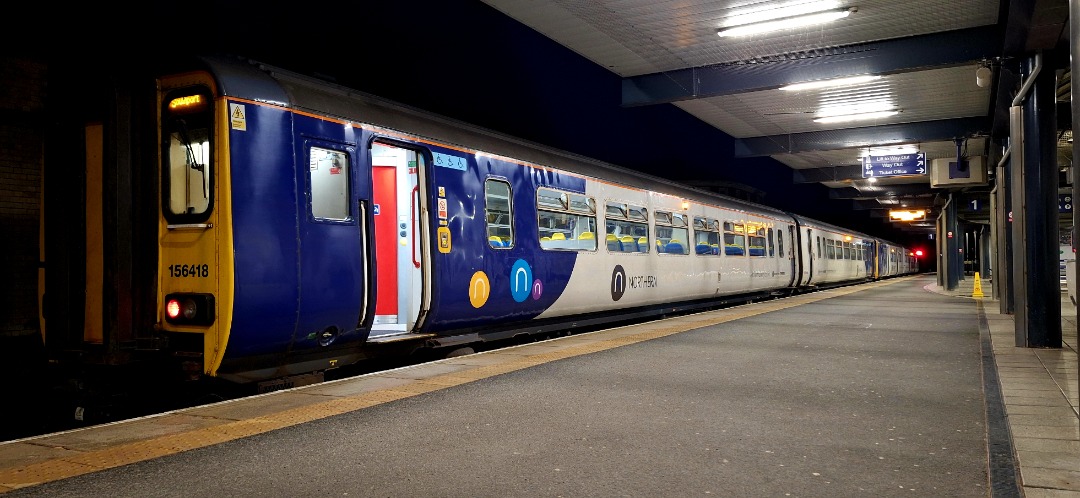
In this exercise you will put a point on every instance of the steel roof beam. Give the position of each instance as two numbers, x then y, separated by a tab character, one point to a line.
879	192
833	174
876	205
883	57
865	204
926	131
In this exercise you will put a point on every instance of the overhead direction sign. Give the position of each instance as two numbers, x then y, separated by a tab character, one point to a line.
894	165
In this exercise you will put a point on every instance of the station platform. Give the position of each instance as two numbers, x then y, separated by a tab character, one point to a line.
892	388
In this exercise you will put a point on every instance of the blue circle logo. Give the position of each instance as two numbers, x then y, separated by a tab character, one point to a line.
521	281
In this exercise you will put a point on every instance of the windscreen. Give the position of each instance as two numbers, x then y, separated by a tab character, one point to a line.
186	159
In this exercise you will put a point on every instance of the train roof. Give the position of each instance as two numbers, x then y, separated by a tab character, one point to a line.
249	79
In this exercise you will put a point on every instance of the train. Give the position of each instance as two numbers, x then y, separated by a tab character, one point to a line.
293	226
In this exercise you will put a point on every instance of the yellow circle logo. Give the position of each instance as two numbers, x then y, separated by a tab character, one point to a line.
479	289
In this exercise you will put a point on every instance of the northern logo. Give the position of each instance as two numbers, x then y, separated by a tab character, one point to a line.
618	283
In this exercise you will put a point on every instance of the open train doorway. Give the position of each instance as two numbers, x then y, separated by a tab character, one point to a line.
400	235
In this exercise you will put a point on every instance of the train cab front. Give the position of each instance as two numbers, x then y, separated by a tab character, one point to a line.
193	270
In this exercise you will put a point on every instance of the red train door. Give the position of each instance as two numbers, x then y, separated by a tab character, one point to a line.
384	195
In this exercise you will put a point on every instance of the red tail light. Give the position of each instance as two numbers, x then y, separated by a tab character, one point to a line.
189	309
172	309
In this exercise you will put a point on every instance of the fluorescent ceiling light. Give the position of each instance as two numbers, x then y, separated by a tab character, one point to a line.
858	106
840	118
889	150
785	23
772	11
861	95
835	82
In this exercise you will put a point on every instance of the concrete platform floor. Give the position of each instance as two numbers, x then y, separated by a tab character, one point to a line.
289	442
1040	391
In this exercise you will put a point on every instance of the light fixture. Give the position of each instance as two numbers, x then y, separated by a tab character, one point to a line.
782	18
841	118
844	106
889	150
982	76
833	83
907	215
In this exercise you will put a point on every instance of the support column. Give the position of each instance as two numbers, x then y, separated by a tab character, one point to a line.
1074	64
117	224
1035	179
939	250
984	251
1001	229
954	266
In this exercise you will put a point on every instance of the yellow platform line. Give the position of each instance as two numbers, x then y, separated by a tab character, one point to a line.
92	461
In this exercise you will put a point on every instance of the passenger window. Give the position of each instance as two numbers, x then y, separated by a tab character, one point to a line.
328	171
672	234
847	250
780	242
497	202
566	221
772	244
706	236
627	228
734	239
756	235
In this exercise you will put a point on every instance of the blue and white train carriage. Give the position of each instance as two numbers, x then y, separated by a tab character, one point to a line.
305	226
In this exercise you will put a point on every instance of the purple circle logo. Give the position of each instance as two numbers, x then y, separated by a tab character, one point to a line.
538	289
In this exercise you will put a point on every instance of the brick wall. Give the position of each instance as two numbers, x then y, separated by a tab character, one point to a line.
22	106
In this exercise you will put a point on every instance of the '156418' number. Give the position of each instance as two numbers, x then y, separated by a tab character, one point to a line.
189	270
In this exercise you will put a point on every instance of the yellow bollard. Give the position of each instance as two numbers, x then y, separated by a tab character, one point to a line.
977	292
